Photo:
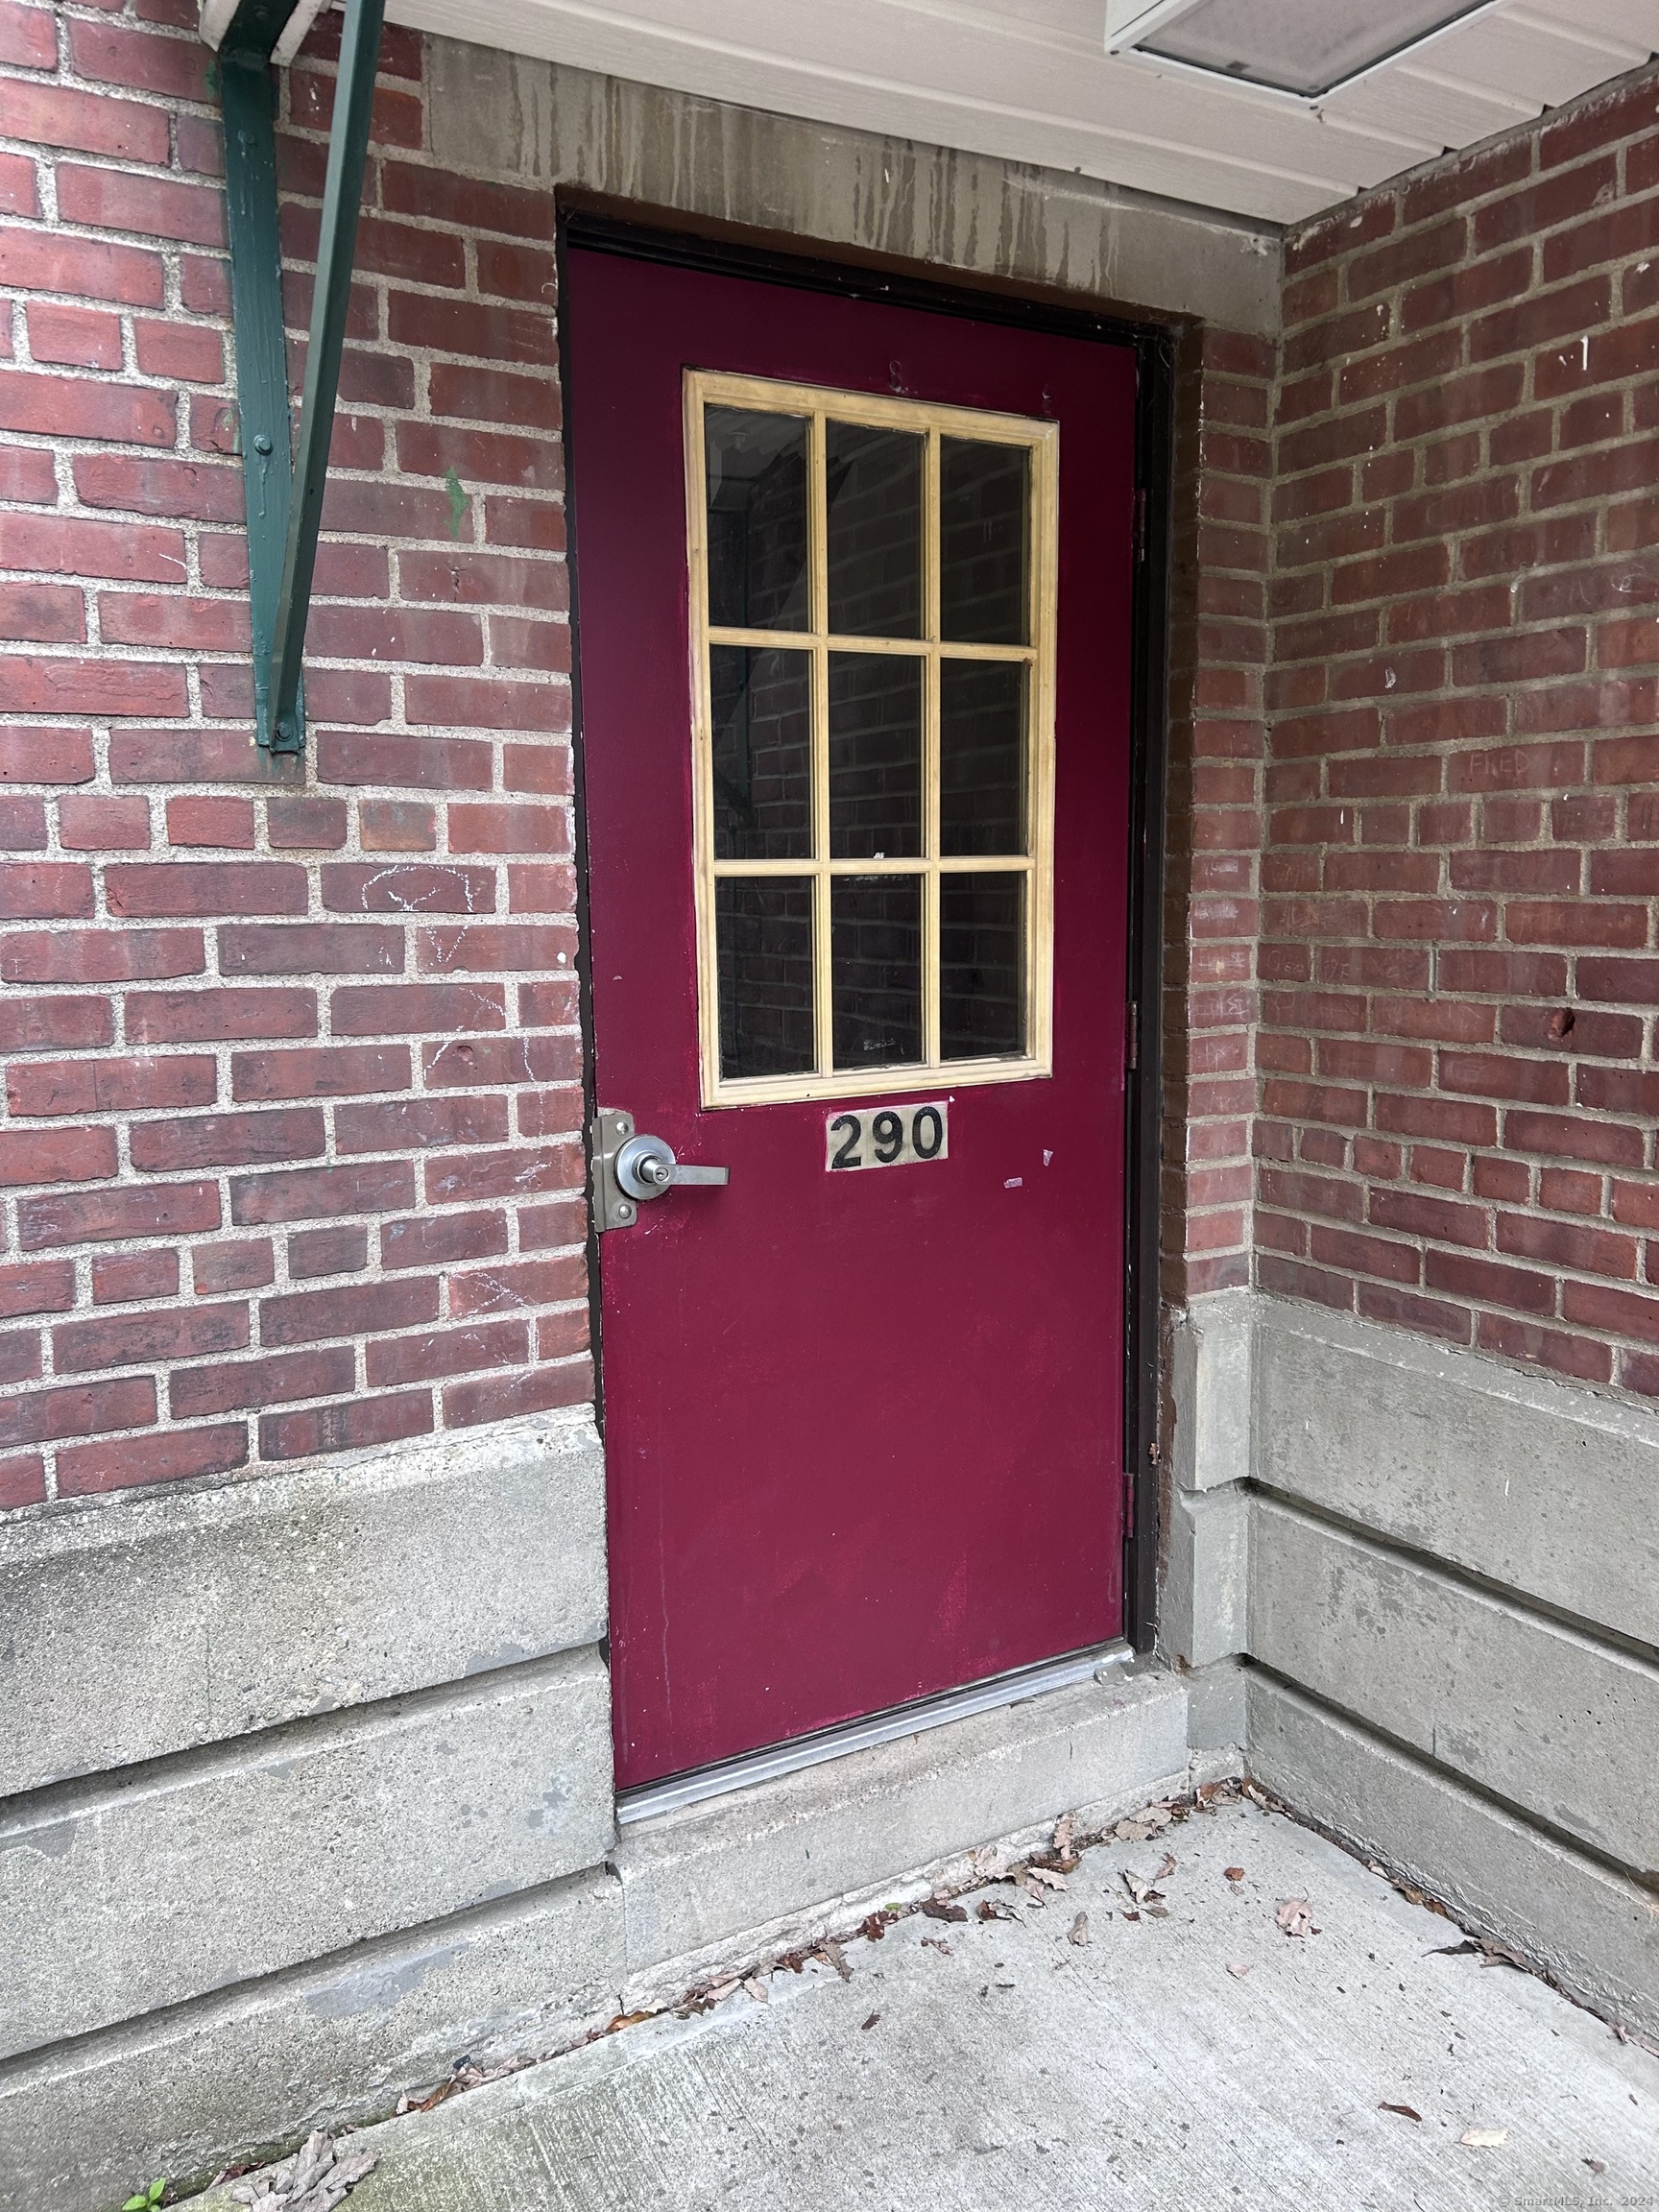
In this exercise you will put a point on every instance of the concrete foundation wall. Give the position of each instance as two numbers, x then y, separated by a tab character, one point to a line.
1443	1574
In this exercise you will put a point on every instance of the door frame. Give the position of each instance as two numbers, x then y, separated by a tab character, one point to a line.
650	235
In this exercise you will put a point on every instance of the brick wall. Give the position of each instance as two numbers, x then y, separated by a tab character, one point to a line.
290	1158
1217	746
1459	960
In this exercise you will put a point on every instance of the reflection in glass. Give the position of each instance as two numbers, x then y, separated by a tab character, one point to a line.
763	953
873	487
981	966
875	970
984	503
981	756
756	466
762	711
875	755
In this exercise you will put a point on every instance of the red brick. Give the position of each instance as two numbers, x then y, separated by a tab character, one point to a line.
318	1194
417	1009
1619	1313
227	1140
341	1071
44	891
353	887
155	207
47	1287
442	1352
412	1124
506	1288
306	825
89	122
95	688
22	1480
172	1333
97	825
154	1209
171	1456
341	1249
110	1086
429	763
246	1385
345	1428
207	887
353	1309
309	947
216	1268
436	1239
54	1023
81	1409
74	337
119	1278
218	1014
44	1156
520	1173
506	1397
69	546
1564	1137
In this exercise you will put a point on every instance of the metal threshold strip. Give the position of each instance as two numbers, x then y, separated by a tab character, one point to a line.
913	1719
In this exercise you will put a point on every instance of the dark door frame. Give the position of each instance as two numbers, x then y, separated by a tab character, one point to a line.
631	232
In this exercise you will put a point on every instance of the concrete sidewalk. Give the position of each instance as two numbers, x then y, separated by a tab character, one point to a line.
1197	2057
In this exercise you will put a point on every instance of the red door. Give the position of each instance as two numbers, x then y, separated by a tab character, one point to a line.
853	628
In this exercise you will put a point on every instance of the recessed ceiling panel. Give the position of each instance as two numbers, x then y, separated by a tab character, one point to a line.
1302	46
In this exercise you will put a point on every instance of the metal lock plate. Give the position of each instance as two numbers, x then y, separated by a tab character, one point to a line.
613	1208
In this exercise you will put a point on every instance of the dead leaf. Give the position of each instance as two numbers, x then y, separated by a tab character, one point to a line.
1155	1911
1132	1832
1078	1932
1064	1828
874	1928
1131	1915
1453	1951
759	1990
1048	1877
1294	1917
996	1909
870	2022
1233	1873
832	1952
1404	2111
1238	1972
1485	2138
1167	1869
1597	2165
942	1909
1028	1887
936	1943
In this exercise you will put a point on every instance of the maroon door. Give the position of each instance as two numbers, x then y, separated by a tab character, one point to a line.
864	1429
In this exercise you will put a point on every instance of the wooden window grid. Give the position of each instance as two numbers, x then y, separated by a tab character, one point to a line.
817	407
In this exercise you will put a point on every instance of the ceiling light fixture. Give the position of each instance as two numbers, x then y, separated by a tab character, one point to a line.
1307	48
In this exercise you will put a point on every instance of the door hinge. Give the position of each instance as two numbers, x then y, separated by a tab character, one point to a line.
1131	1036
1140	524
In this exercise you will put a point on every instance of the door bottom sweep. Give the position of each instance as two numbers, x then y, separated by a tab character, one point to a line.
912	1720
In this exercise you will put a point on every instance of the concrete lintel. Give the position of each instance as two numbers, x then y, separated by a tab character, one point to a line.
141	1890
251	2071
965	214
138	1626
1595	1931
1211	1346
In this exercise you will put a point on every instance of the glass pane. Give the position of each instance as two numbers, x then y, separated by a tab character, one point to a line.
875	969
872	485
981	756
762	728
981	966
757	519
763	943
984	506
875	756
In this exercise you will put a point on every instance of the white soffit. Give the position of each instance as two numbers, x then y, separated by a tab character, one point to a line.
1031	80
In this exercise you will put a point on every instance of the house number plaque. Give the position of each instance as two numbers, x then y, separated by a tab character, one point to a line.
887	1136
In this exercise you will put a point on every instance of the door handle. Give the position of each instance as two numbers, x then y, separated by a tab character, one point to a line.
630	1170
646	1167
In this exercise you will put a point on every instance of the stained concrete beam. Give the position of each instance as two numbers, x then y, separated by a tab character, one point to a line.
822	184
252	2069
134	1891
143	1625
1539	1715
1501	1473
764	1857
1596	1930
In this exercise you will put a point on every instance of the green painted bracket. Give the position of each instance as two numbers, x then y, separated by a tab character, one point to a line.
284	482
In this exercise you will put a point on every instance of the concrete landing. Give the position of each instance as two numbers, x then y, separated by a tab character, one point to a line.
996	2066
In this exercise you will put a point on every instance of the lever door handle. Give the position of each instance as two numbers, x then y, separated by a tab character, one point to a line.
646	1167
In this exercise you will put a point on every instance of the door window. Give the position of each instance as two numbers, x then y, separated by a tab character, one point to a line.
873	600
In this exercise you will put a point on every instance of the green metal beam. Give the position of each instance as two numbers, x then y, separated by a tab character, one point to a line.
283	485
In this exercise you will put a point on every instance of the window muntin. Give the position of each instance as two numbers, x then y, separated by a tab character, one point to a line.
873	600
